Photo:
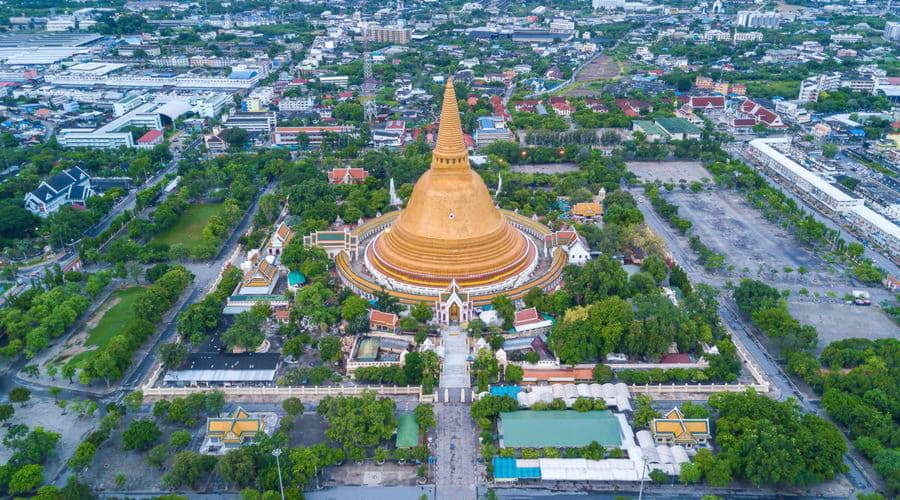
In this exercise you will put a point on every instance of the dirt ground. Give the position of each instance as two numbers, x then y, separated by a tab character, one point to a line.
842	321
308	430
46	414
601	69
75	345
370	474
668	171
112	460
726	223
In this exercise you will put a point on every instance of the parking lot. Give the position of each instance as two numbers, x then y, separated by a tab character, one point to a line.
842	321
668	171
727	224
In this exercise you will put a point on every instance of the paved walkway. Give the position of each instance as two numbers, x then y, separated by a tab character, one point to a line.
455	445
455	372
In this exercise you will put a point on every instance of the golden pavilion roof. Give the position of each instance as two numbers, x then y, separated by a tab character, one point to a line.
450	227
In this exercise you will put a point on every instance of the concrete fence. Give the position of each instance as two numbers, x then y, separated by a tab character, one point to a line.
695	388
287	392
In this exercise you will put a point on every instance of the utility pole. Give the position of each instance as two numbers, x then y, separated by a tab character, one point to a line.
277	453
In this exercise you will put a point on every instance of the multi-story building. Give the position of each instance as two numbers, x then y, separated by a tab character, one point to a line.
751	36
288	136
846	37
608	4
390	34
753	19
562	26
820	192
718	35
812	86
128	103
491	129
892	31
262	121
210	105
876	228
296	103
704	82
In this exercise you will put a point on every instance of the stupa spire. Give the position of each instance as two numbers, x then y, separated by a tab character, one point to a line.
450	152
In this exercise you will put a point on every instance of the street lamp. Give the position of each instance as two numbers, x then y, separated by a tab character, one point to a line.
277	453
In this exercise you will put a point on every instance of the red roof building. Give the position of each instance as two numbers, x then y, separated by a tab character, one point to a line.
526	106
383	322
596	105
708	103
763	115
150	139
676	358
528	320
347	176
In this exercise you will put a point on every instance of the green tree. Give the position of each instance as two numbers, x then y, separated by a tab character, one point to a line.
238	467
330	349
514	374
422	312
187	469
506	311
172	355
354	307
19	395
179	439
293	406
26	479
245	333
690	473
140	435
84	455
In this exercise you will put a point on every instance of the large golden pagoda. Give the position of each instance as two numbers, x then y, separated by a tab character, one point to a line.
450	229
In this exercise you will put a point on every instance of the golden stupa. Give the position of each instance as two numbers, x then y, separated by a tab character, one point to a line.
451	229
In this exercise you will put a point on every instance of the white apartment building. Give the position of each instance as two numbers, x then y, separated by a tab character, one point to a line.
750	36
812	86
562	26
875	228
128	103
891	31
753	19
717	35
210	105
297	103
828	198
846	38
608	4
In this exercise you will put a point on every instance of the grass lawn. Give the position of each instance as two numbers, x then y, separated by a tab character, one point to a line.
112	321
189	227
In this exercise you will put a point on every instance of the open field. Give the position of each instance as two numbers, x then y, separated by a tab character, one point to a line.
842	321
668	171
599	70
102	327
727	224
190	225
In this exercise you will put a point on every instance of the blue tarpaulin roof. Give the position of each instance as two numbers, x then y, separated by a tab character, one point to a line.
505	468
505	390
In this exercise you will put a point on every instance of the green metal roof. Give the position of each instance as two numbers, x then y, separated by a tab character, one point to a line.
649	128
677	125
407	431
560	428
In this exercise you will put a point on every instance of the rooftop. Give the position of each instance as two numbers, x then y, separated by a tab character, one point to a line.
561	428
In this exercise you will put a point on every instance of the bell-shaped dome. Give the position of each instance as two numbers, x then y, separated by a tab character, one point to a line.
450	228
